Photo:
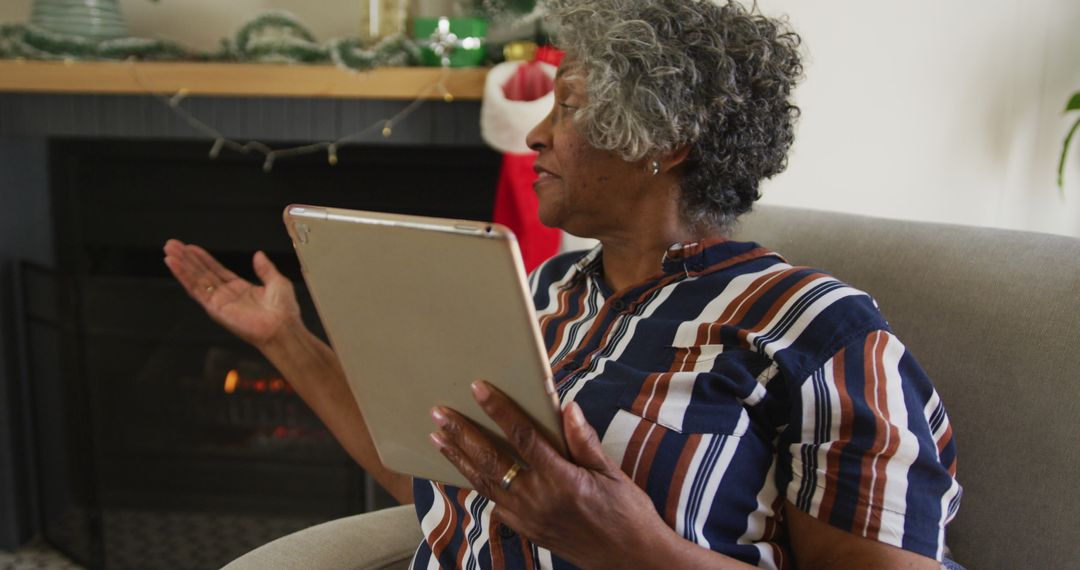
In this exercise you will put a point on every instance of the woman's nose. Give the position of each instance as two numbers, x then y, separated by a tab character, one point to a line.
539	138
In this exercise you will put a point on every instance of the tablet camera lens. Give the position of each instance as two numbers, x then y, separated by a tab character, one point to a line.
301	232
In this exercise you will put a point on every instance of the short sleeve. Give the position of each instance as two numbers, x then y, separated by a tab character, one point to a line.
869	448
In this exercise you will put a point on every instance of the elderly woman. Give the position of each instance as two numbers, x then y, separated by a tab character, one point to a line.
721	407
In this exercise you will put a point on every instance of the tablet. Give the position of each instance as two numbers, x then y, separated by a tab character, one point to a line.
417	309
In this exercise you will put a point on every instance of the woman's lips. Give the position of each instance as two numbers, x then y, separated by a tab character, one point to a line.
543	177
543	174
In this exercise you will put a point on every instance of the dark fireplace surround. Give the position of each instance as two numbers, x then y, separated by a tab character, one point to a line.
141	415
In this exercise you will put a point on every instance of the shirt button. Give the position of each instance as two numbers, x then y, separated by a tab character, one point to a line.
505	531
618	304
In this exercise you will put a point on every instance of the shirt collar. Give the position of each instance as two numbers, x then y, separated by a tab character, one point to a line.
691	256
589	264
684	257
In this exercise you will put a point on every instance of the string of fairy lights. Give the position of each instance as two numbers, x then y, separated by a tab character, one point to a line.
221	142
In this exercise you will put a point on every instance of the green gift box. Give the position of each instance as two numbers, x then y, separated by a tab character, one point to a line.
468	50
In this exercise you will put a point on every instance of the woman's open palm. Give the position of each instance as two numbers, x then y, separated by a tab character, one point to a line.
255	313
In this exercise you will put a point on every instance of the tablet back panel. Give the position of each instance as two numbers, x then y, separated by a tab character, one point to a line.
416	310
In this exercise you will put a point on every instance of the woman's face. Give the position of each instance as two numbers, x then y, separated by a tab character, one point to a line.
583	190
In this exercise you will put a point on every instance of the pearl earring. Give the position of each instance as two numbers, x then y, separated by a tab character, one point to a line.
655	167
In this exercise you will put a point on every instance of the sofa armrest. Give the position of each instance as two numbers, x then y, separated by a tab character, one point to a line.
378	540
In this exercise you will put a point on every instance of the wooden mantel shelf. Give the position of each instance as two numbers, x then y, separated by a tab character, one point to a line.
242	80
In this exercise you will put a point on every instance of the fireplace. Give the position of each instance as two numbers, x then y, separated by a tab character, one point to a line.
152	424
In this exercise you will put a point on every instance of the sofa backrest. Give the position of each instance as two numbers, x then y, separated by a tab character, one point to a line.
994	318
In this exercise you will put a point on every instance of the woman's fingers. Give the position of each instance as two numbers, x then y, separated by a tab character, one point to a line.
211	264
195	263
582	441
517	425
462	463
198	271
472	452
174	260
190	275
264	268
184	261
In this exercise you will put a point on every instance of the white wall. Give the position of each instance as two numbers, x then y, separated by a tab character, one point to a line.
945	111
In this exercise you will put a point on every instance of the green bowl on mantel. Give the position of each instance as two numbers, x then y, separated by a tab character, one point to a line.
94	19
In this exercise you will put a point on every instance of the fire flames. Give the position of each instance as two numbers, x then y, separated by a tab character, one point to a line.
231	380
234	382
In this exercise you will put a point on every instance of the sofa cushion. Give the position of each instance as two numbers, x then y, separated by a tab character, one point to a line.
994	317
381	540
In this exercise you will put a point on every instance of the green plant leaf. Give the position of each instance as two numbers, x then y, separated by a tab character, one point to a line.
1065	149
1074	102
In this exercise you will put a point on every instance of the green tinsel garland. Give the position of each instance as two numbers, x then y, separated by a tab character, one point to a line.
31	42
273	37
394	51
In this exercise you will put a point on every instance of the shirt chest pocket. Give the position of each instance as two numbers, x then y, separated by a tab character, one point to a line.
686	402
696	357
661	420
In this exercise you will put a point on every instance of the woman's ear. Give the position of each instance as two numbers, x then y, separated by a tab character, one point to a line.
676	157
668	160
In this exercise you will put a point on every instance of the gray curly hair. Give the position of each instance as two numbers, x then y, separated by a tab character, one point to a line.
662	74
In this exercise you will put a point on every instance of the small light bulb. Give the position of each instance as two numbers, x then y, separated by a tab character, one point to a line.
216	149
331	155
448	97
178	97
386	132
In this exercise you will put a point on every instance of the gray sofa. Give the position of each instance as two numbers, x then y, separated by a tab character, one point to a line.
993	316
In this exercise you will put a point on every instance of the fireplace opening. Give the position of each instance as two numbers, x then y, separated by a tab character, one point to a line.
162	441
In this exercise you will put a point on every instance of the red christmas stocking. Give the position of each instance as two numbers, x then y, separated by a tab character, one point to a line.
516	97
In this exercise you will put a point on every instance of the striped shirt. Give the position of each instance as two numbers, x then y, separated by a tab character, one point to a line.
723	385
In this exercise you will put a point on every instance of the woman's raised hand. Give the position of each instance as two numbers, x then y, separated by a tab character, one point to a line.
255	313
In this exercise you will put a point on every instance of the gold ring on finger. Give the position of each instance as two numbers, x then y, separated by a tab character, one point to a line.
511	473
